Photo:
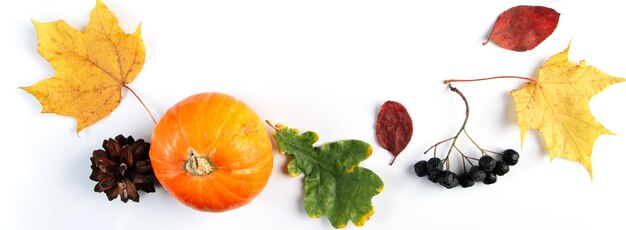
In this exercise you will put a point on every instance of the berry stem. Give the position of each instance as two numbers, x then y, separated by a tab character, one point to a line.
438	143
142	104
464	168
462	158
468	160
467	112
488	78
474	142
454	139
465	157
483	151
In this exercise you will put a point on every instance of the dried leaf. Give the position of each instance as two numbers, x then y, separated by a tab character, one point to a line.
523	28
91	67
394	128
334	183
557	105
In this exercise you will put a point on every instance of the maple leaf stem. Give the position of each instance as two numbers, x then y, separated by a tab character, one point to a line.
488	78
142	104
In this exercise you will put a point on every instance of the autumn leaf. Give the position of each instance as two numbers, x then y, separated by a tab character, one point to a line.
334	183
557	105
91	67
523	28
394	128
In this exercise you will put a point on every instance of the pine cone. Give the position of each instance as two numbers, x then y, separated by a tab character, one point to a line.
122	168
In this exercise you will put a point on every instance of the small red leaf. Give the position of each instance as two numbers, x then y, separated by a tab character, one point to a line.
523	28
394	128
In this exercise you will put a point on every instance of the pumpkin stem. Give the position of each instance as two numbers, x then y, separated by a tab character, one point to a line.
198	165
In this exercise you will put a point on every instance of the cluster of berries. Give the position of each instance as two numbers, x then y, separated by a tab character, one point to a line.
487	170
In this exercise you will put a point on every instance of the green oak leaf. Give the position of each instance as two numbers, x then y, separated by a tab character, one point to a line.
334	183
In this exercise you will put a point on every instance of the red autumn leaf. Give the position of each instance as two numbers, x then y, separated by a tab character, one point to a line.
394	128
522	28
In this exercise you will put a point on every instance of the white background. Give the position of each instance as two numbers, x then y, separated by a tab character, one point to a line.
324	66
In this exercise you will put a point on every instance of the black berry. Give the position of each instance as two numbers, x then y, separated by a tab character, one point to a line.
487	163
510	156
476	174
434	176
448	179
434	165
465	180
490	178
501	168
421	168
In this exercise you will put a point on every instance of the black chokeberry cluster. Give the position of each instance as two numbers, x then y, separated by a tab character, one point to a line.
487	170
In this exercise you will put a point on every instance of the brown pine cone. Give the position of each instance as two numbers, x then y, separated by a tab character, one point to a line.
122	167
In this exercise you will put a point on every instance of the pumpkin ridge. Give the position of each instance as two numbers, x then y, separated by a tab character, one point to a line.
228	118
215	182
252	167
180	126
225	166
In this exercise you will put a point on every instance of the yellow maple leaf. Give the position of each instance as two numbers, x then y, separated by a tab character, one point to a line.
91	67
557	105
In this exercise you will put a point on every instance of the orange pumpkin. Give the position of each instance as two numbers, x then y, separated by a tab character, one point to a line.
212	152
